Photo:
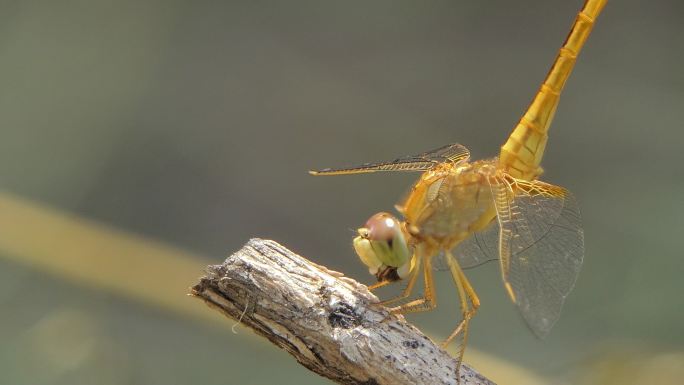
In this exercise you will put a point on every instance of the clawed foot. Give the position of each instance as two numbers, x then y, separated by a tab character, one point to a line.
395	310
378	285
387	312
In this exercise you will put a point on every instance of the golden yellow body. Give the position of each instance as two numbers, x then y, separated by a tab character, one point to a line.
495	208
522	153
450	203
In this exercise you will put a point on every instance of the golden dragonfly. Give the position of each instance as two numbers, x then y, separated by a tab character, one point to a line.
471	212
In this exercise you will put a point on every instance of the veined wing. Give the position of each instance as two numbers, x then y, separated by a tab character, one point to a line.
479	248
451	153
476	250
541	247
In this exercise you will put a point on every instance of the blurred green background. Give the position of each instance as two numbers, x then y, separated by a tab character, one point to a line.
194	123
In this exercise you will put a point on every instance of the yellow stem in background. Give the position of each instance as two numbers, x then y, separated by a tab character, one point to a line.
83	251
90	253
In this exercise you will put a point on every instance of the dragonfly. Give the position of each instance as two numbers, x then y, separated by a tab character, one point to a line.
469	212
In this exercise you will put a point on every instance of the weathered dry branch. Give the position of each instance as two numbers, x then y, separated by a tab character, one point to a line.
330	323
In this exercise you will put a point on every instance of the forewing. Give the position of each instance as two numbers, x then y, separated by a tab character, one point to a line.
453	153
541	247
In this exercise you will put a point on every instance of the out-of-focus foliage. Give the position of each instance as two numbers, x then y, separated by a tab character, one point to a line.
194	123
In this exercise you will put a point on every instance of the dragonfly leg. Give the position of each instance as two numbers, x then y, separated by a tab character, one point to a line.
379	285
428	302
409	286
469	305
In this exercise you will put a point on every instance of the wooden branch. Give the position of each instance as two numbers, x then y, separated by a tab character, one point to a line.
330	323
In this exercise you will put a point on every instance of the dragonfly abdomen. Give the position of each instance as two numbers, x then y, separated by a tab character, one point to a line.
522	153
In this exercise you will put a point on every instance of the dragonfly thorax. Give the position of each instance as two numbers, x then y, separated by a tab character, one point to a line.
447	205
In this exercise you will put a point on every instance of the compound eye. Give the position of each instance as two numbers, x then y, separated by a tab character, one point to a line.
382	243
383	227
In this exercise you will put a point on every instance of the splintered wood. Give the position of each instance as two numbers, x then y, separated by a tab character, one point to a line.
331	324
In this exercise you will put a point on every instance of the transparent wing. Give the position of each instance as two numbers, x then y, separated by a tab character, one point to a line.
541	247
452	153
480	248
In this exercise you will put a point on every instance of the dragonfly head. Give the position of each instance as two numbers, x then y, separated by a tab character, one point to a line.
382	246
